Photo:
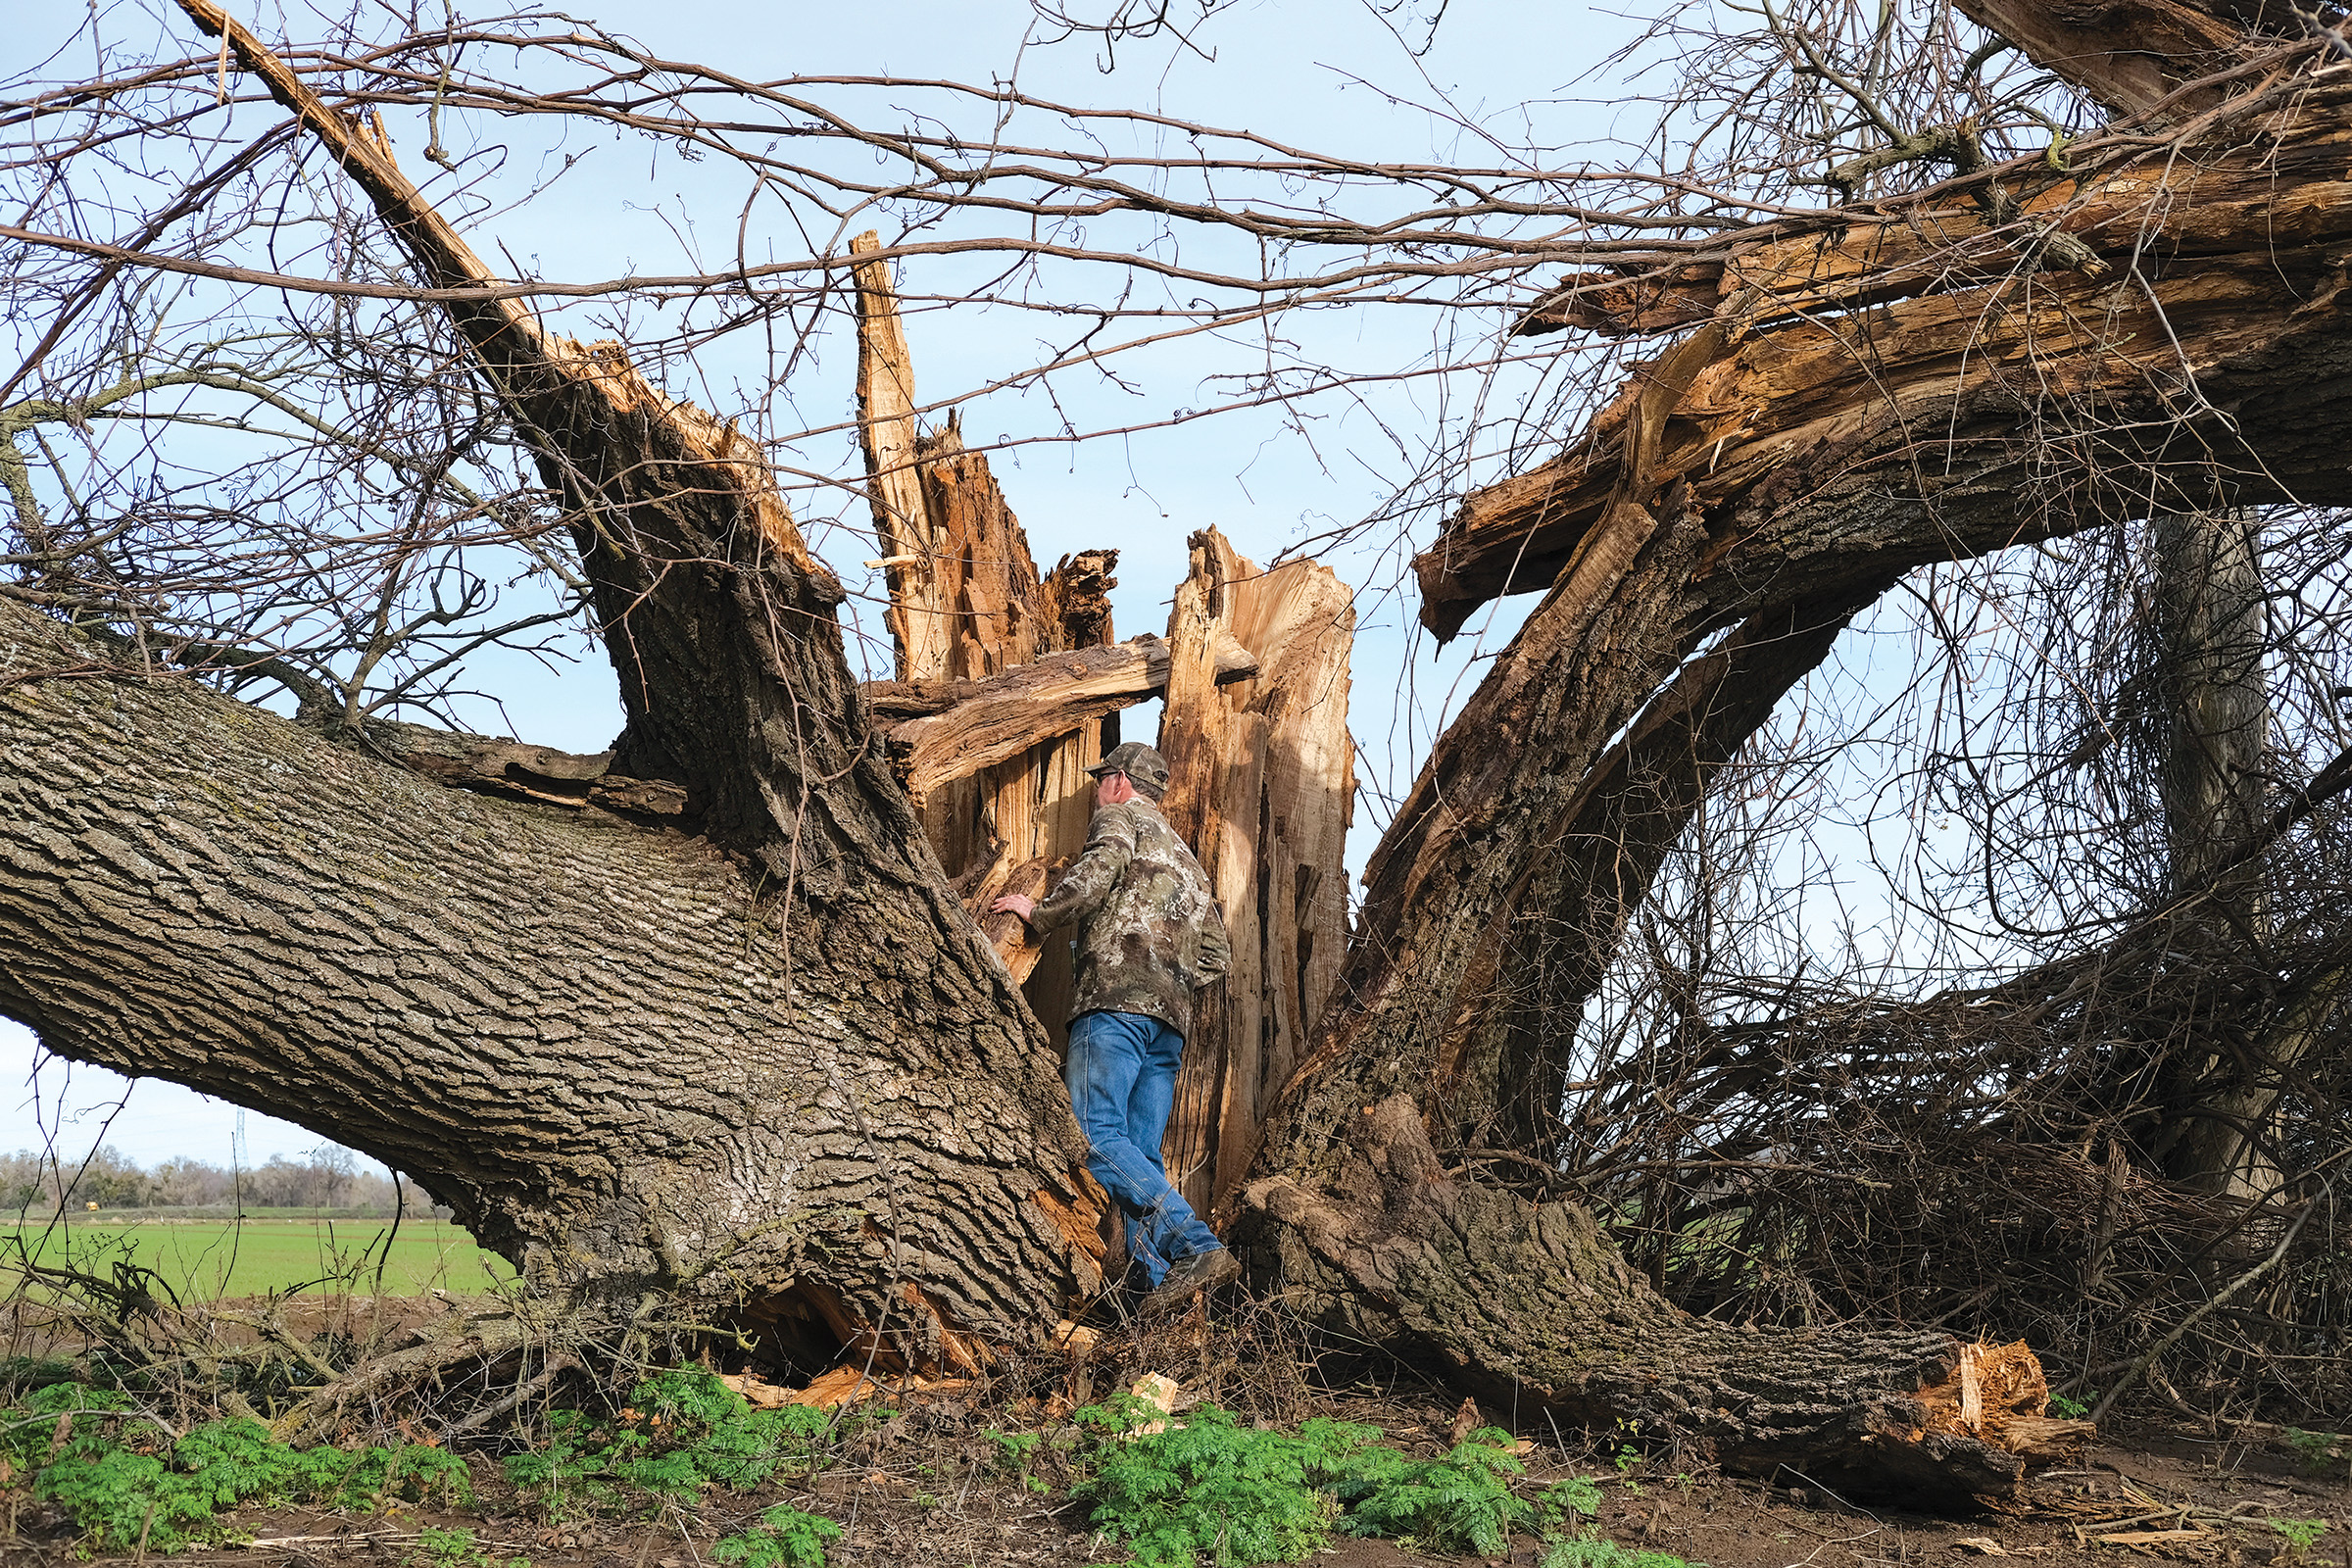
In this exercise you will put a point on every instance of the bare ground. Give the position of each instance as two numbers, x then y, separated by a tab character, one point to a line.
923	1485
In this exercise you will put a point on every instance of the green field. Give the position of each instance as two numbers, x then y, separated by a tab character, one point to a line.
206	1258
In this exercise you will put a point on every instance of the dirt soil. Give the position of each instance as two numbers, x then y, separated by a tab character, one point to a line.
922	1491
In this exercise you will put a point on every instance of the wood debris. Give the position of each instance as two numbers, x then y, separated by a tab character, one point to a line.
1997	1393
843	1384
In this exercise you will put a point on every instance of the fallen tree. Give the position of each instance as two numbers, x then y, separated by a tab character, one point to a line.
732	1038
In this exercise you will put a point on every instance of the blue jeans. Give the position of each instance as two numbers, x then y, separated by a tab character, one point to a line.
1122	1073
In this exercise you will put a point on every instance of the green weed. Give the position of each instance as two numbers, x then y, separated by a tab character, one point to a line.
683	1430
784	1538
2301	1534
455	1548
2071	1409
1462	1502
1211	1488
2317	1449
125	1482
1588	1551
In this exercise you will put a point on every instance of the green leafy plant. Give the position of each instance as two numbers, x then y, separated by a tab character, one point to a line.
1209	1488
1016	1451
2071	1409
682	1432
1462	1501
455	1548
784	1538
2301	1534
1591	1551
126	1484
2317	1449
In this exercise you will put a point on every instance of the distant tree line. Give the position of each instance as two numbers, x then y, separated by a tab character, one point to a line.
328	1176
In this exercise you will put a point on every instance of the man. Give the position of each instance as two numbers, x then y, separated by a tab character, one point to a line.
1150	935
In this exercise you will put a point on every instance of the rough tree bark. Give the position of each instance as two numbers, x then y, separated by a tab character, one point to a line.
1859	401
807	1076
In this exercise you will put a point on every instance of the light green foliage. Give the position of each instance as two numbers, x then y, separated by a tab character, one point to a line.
1016	1451
784	1538
2301	1534
2068	1410
1590	1550
1210	1489
455	1548
123	1480
2317	1449
682	1432
1460	1503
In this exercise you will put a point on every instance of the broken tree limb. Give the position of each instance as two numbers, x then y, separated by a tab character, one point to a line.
1460	1275
2213	261
2134	56
999	777
919	616
953	729
520	771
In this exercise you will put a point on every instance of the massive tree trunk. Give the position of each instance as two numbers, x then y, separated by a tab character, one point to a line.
626	1065
764	1054
1920	385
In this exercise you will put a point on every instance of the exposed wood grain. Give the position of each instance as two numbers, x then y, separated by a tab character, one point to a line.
1262	787
919	614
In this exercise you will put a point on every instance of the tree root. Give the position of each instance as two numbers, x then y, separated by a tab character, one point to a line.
1528	1306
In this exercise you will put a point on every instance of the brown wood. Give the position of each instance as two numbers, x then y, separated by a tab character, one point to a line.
1262	787
1381	1239
920	615
954	729
2134	56
998	774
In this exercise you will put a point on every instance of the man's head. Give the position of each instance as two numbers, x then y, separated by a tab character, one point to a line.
1139	766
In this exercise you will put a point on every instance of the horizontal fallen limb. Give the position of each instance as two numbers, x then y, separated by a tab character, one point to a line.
939	731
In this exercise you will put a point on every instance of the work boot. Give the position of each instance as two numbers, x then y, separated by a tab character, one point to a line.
1189	1277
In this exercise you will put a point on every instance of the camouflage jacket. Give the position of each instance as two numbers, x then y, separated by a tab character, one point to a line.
1148	931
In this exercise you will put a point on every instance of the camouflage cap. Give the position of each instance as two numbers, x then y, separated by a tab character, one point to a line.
1140	763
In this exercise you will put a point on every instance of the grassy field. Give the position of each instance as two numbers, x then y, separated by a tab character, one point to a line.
206	1258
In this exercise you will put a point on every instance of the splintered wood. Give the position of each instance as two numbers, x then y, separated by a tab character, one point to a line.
1001	779
1262	787
1005	684
1999	1394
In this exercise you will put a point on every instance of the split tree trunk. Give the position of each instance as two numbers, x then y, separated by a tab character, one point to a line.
967	604
1262	787
863	1117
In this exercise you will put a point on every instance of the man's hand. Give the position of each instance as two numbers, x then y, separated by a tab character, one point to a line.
1014	904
